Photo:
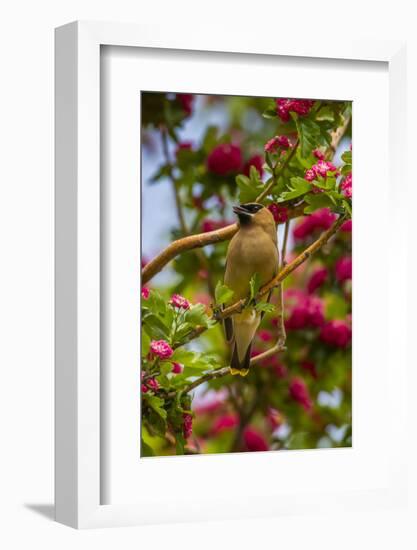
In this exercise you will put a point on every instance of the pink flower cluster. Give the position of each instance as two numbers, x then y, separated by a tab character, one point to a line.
277	143
187	425
257	161
225	159
320	219
306	311
150	384
299	392
300	106
321	168
317	279
254	440
336	333
343	269
161	349
318	154
177	368
145	292
224	423
179	302
280	213
346	186
346	226
186	101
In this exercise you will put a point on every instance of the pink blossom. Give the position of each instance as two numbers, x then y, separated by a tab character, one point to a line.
144	388
177	368
280	370
300	106
320	219
346	227
316	280
186	101
145	292
187	425
343	269
276	143
299	392
265	335
346	186
153	384
257	161
179	301
306	311
225	159
336	333
318	154
161	349
280	213
224	423
321	168
254	440
310	175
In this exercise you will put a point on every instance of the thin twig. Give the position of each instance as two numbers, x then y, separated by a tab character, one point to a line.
289	268
283	274
180	212
275	176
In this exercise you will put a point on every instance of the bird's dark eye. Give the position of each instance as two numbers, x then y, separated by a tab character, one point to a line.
252	207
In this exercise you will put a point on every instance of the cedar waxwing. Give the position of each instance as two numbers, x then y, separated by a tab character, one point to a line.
252	250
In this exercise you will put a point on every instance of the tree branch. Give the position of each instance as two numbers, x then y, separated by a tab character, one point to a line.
289	268
197	241
224	371
203	239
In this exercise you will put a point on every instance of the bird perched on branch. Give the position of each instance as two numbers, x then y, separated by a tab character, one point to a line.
253	250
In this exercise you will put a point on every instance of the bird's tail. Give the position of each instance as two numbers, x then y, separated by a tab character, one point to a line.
240	367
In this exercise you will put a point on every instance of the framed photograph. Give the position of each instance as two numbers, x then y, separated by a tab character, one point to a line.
225	334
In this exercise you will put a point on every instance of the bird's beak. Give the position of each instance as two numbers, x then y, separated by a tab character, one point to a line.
240	210
244	215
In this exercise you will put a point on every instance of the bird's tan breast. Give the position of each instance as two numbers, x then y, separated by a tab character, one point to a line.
250	252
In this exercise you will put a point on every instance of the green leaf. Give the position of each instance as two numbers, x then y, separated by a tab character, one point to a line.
155	328
325	113
146	450
265	307
145	343
298	186
183	356
209	139
254	286
248	189
156	404
223	293
321	200
347	157
309	134
196	315
179	443
270	113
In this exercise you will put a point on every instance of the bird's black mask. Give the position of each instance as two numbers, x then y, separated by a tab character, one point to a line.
245	212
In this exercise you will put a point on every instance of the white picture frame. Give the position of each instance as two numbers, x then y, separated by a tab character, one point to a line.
78	405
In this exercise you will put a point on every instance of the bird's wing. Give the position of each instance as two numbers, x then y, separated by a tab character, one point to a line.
228	323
